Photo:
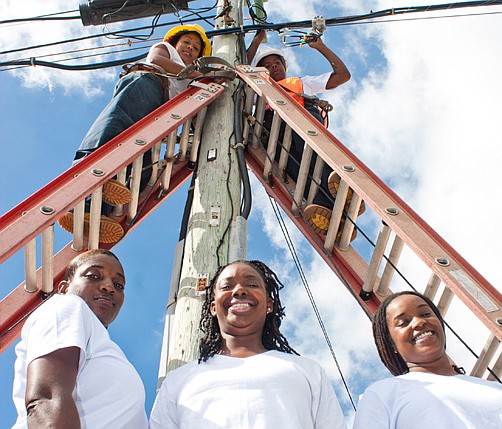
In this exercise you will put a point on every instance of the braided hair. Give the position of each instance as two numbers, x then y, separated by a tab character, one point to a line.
272	338
389	356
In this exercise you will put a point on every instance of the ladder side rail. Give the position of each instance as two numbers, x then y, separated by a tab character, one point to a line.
19	303
28	219
463	279
347	265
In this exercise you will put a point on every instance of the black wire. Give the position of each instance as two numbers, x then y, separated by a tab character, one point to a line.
277	27
303	277
35	62
93	36
48	17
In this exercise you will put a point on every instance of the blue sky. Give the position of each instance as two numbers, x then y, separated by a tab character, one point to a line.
422	110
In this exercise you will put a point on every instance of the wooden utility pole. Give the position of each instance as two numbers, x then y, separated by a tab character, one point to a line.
214	212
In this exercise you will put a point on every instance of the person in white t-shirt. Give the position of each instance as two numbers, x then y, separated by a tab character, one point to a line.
247	376
304	90
68	372
144	88
427	390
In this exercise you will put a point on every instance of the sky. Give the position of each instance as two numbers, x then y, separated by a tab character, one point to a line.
422	110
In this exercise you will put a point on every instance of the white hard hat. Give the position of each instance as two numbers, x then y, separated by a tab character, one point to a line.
262	55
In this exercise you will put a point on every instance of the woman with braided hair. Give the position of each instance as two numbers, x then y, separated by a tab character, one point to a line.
247	375
428	391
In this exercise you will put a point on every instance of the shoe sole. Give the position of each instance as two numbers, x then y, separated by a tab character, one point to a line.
319	217
110	231
115	193
334	184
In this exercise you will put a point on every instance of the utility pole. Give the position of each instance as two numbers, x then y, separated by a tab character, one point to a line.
214	216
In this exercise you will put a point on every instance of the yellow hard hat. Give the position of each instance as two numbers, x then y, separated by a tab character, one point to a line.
192	28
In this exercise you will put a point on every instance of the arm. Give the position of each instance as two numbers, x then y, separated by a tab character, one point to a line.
329	414
371	412
159	55
164	411
255	44
340	74
49	386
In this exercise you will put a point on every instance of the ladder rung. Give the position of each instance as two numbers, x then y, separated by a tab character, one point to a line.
272	145
376	258
316	179
349	226
258	128
336	215
485	356
286	147
392	260
445	301
30	266
48	259
301	182
497	369
185	135
432	286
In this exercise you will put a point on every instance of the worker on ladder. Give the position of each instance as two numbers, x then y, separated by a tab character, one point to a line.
304	90
142	88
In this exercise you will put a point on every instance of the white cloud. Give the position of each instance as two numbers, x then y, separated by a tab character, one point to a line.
33	33
427	121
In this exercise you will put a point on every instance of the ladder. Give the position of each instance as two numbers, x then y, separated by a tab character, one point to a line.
367	273
34	218
398	225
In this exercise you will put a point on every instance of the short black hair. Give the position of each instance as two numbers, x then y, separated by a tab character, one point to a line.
174	39
78	260
272	338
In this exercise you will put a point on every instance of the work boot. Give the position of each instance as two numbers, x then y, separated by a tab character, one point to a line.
334	184
115	193
318	217
110	231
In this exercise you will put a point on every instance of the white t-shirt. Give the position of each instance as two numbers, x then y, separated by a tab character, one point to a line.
108	392
421	400
176	86
313	85
269	390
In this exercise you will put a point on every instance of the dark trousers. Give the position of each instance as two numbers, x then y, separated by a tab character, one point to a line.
323	196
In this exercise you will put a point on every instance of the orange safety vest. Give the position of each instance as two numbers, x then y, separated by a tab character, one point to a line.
295	85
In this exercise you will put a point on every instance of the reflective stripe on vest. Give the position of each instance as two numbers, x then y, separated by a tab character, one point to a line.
294	84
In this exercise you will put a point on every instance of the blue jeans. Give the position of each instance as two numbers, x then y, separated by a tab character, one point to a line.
135	96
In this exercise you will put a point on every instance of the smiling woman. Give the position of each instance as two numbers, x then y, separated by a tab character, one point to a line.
247	376
68	372
428	391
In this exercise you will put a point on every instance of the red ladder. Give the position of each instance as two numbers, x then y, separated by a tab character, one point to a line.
35	217
396	218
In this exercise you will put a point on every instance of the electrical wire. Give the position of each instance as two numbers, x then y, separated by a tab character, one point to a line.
48	17
348	20
304	280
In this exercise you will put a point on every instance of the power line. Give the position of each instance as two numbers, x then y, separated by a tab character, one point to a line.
48	17
303	277
347	20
